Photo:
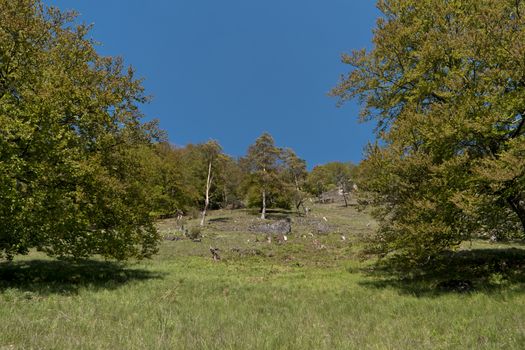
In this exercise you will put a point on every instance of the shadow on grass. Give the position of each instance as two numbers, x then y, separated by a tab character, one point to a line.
220	219
67	277
274	213
479	270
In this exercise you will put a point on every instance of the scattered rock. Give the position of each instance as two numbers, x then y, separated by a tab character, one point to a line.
171	238
323	228
276	227
281	238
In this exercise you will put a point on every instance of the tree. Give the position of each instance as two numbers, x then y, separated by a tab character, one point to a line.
211	152
262	161
445	83
169	179
230	181
71	177
294	174
331	175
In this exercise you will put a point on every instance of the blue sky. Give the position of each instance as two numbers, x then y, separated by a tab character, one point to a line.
230	70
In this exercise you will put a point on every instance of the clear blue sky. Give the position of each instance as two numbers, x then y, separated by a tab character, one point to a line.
229	70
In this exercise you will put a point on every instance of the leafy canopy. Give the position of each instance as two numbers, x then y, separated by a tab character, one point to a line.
71	172
445	83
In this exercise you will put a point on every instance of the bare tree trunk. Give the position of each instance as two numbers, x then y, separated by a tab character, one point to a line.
207	199
344	197
343	191
300	201
263	212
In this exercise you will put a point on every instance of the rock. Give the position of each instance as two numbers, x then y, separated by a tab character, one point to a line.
171	238
277	227
323	228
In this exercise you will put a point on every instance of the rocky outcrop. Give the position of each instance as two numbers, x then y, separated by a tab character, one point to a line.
275	227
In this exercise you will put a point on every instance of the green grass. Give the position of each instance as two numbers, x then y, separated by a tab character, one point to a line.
312	292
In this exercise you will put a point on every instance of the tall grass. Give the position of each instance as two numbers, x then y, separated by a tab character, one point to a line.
259	296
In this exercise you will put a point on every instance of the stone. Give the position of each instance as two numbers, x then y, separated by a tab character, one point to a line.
277	227
323	228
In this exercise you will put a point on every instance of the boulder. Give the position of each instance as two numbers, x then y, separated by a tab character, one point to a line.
323	228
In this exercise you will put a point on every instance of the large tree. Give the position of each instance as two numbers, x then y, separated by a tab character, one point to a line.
263	161
445	83
71	179
294	175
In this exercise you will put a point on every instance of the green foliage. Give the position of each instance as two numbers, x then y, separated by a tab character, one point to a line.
169	181
274	199
274	177
229	182
262	164
445	85
194	232
330	176
294	177
70	142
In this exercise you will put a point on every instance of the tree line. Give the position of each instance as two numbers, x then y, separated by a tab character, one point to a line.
81	173
199	177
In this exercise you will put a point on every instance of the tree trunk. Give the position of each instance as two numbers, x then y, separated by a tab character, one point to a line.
519	209
225	197
346	201
300	201
343	190
207	199
263	212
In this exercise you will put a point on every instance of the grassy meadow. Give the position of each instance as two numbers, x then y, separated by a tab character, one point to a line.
314	291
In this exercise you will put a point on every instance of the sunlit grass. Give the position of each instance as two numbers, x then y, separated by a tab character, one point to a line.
259	296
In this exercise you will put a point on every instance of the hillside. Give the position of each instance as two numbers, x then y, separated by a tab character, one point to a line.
314	291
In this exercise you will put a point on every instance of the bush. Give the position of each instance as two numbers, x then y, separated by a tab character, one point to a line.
194	232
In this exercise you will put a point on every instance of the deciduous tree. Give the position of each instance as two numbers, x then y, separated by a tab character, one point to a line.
445	83
294	175
262	161
70	127
329	176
